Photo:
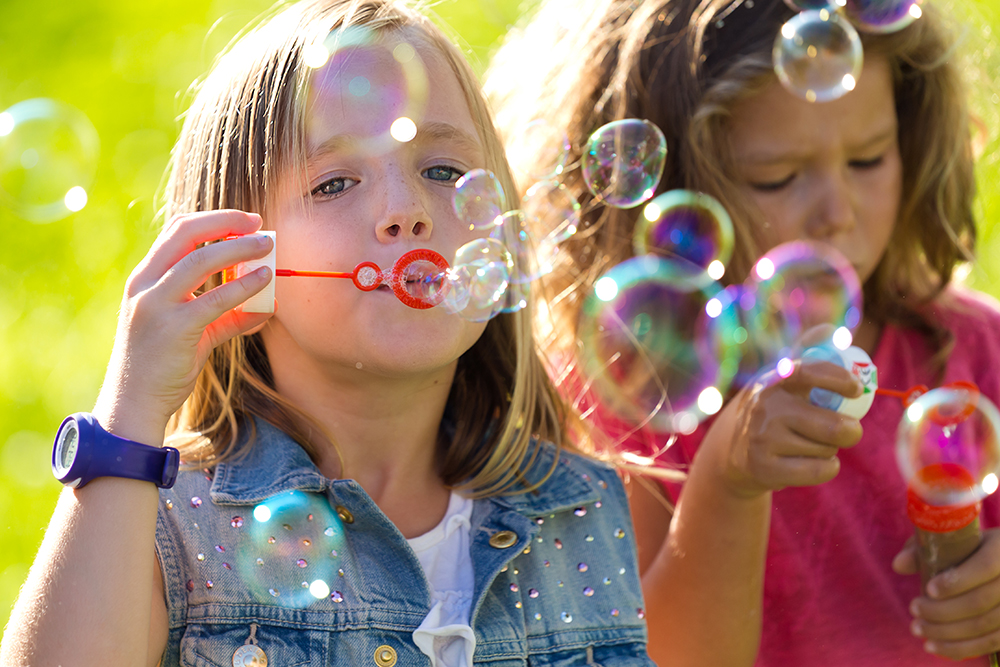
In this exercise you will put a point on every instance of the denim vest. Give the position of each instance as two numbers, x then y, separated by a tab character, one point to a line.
268	552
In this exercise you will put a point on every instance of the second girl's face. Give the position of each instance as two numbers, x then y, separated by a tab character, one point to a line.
828	172
372	203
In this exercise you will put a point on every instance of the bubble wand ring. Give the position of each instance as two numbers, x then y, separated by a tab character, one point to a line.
406	271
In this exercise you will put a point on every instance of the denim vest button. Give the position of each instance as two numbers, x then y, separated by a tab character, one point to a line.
344	514
503	539
249	655
385	656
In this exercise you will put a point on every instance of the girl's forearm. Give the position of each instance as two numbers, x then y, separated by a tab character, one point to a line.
89	594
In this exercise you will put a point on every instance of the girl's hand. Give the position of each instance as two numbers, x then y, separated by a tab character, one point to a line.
960	615
165	333
780	439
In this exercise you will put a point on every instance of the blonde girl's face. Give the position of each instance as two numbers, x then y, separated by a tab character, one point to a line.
371	204
828	172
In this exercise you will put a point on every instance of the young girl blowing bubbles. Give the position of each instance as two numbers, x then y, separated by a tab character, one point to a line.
791	522
367	483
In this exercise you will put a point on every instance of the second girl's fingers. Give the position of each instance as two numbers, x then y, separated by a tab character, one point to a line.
779	472
905	561
213	304
968	605
982	566
825	426
185	233
194	268
809	374
968	648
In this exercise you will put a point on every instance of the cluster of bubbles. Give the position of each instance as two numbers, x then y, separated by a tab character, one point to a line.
48	158
818	54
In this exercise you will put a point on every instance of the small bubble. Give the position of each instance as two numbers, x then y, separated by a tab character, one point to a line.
170	504
274	592
209	584
196	502
305	584
580	511
190	586
619	533
615	612
227	566
517	604
237	522
260	561
201	557
221	549
514	588
582	567
607	581
558	543
589	538
588	591
306	543
640	612
271	540
538	617
566	617
301	562
532	593
329	532
336	596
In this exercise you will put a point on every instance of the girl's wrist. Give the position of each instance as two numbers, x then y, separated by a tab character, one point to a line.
127	419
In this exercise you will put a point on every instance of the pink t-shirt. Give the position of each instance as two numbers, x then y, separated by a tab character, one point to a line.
830	595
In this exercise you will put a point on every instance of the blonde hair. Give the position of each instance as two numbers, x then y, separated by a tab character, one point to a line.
244	129
683	64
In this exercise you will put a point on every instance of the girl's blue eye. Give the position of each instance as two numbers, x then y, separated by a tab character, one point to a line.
443	173
334	186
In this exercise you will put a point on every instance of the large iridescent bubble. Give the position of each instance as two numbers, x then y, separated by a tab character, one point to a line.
948	446
383	79
479	199
818	55
796	289
478	280
48	158
657	344
882	16
624	161
691	226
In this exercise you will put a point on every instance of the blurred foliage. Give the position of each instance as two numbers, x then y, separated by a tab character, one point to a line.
127	66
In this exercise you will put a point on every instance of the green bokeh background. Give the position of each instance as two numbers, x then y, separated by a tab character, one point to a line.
127	66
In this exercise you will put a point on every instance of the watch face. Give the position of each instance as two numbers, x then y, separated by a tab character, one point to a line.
68	441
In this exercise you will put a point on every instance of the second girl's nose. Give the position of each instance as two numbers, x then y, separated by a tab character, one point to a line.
834	212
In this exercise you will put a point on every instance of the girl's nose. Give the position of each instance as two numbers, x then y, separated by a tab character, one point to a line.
834	211
406	217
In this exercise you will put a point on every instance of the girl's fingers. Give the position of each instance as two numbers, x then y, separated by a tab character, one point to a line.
968	648
213	304
969	628
232	323
983	566
824	426
193	269
905	561
185	233
970	604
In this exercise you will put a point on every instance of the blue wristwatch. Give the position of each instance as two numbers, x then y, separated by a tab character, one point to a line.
83	450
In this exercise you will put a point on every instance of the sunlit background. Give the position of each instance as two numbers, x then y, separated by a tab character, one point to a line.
126	66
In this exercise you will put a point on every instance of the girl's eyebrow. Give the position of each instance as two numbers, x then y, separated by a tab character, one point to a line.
428	133
765	157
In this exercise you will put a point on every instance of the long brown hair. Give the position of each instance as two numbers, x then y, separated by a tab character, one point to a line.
244	129
683	64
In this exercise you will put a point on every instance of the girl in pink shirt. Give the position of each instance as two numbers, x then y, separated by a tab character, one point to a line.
790	532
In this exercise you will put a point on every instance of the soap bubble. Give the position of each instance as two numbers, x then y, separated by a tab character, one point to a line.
624	161
948	445
882	16
48	157
291	539
548	145
818	56
795	289
553	215
478	199
481	271
657	343
513	232
385	81
688	225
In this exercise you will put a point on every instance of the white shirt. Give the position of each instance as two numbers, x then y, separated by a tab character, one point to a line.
445	635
